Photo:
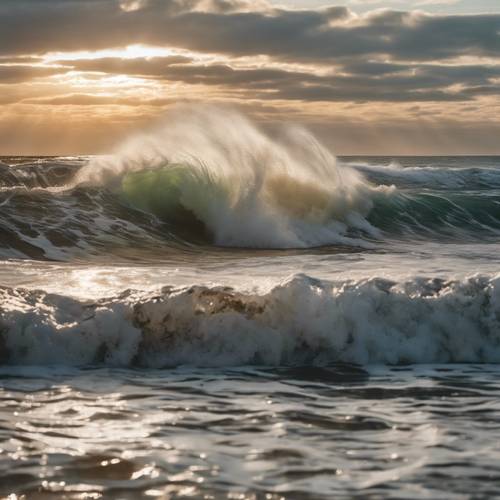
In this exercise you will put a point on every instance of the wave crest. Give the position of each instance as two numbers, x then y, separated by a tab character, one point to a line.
301	321
246	188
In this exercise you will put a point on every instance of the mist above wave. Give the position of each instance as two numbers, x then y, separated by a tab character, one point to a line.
243	186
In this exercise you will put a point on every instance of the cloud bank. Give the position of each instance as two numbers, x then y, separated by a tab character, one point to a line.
312	65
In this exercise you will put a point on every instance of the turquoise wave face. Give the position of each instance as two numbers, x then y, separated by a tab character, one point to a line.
417	212
456	214
169	207
164	193
259	208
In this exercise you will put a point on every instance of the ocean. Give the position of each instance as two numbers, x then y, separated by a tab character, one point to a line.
218	312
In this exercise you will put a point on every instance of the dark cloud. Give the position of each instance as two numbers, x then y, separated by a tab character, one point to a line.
96	100
116	65
20	60
364	94
20	73
186	70
384	56
355	82
316	35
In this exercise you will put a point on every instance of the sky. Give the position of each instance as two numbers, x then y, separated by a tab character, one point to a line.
375	77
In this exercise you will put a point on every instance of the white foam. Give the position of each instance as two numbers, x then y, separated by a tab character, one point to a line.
247	188
300	321
438	177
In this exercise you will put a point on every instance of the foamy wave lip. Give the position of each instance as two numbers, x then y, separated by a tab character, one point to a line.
246	188
301	321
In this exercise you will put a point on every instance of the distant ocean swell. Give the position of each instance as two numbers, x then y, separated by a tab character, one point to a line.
215	179
301	321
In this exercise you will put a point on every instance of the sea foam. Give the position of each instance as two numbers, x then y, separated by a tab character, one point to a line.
247	188
300	321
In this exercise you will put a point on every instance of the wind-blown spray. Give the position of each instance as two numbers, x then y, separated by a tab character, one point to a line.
247	189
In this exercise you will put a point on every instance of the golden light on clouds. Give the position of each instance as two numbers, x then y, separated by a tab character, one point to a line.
132	5
128	52
349	76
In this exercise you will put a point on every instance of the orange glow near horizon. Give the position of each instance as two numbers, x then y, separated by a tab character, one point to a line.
369	92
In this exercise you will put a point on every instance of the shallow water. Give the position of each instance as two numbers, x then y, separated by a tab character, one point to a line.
302	432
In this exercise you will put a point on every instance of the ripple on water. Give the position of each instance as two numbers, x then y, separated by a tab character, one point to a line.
338	431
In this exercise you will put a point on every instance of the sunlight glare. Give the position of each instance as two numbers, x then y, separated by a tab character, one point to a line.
128	52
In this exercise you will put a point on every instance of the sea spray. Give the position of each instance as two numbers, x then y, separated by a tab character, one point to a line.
208	177
247	189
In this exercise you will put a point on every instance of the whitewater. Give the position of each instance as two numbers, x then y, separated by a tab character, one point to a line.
208	241
219	310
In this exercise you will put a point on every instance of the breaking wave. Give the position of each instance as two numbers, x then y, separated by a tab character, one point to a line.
302	321
210	177
214	169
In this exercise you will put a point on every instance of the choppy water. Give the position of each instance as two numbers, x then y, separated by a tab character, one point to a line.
214	312
335	432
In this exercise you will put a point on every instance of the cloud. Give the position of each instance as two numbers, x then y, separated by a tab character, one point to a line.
384	55
20	73
277	62
224	27
436	2
353	81
96	100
